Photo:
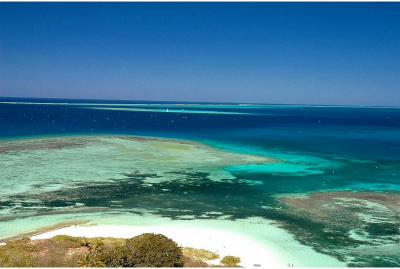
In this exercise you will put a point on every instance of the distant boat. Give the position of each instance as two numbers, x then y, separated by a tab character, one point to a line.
167	110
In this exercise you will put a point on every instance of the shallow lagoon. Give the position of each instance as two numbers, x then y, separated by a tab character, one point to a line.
229	168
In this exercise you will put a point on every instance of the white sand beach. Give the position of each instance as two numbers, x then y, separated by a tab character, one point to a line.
221	242
258	244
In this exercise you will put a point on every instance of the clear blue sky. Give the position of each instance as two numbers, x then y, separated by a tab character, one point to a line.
313	53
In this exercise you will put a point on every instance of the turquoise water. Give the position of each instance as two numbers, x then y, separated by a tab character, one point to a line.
330	176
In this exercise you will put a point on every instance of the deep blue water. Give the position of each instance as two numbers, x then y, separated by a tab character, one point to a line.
323	149
344	131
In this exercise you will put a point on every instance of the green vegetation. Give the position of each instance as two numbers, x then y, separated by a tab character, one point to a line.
231	261
153	250
70	241
43	253
146	250
199	254
197	257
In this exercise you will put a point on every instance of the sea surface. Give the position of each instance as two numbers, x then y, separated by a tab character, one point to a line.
328	175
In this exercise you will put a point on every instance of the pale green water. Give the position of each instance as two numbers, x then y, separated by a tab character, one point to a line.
40	170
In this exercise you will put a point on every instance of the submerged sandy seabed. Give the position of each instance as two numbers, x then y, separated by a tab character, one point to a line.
51	163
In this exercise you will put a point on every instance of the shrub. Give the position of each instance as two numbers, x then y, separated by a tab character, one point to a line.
199	254
67	241
17	253
230	261
153	250
95	256
115	256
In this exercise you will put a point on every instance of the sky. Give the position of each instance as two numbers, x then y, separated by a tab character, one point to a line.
284	53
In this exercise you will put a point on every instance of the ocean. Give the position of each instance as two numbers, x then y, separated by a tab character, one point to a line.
328	175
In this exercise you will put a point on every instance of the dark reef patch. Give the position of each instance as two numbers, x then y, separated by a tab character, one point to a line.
340	222
171	199
41	144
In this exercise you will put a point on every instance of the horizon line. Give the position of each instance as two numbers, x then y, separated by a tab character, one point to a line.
204	102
